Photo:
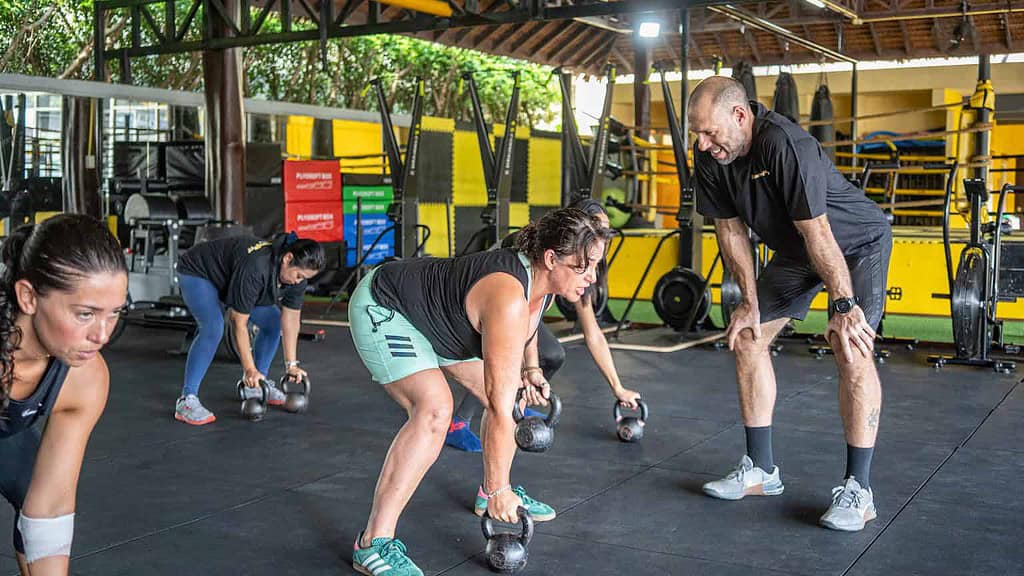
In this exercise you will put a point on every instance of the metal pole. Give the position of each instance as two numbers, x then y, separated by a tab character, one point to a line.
684	84
641	90
99	74
691	234
982	138
853	115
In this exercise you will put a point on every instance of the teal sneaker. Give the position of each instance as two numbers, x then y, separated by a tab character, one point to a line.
539	511
384	557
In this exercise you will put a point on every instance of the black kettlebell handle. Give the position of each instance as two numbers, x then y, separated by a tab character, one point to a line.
487	525
264	389
617	410
291	378
554	409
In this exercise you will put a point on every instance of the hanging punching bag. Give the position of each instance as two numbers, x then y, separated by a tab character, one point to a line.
743	72
786	100
821	109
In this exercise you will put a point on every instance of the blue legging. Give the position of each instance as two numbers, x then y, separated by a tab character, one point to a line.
204	303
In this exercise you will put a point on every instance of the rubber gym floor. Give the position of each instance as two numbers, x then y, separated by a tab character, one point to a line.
287	495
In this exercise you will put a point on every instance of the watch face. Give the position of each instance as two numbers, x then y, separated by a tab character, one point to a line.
844	305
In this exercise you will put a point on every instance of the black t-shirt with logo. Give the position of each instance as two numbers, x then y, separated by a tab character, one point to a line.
786	177
245	271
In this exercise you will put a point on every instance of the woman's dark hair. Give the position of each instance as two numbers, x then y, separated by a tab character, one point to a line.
53	255
306	254
594	207
567	231
590	206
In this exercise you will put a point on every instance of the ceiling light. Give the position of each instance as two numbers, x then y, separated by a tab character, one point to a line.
816	3
649	29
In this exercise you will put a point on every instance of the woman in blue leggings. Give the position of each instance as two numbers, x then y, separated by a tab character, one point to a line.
250	278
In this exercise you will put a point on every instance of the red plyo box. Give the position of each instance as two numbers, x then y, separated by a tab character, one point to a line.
311	181
320	221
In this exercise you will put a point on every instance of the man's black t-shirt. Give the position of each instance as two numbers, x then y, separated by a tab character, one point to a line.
245	271
786	177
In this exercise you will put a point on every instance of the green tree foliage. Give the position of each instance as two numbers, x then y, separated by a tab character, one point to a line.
55	39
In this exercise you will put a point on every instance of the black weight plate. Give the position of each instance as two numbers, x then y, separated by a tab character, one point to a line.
229	339
968	304
598	302
677	294
731	296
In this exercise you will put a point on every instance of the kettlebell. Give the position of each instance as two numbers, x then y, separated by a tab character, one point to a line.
630	429
253	409
533	433
296	391
507	552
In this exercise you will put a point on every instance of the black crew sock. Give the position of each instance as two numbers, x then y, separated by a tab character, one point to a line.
858	464
468	408
759	447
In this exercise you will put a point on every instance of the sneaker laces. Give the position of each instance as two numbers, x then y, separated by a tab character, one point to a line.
843	498
521	492
738	473
393	552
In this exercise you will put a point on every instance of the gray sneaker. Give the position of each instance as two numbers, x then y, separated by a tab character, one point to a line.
189	410
852	506
746	480
275	397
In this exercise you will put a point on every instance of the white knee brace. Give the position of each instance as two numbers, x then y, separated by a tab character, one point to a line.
45	537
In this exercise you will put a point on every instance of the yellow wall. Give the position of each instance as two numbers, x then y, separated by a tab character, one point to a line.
299	133
358	139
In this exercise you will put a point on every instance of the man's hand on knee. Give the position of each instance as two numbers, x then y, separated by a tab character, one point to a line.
746	316
853	333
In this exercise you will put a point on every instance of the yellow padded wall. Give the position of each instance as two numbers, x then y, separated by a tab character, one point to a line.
544	179
433	215
300	136
353	138
468	186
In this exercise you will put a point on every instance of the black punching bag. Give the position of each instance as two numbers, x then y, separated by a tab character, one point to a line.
744	74
821	109
786	100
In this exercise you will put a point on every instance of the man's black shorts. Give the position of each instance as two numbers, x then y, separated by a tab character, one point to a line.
786	287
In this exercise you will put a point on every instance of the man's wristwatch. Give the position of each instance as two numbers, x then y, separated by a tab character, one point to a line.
843	305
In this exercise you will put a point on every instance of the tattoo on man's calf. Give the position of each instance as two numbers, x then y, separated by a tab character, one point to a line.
873	418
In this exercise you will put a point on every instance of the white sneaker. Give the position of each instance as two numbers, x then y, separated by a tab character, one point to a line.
852	506
189	410
746	480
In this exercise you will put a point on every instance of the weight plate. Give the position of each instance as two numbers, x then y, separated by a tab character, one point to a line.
229	339
681	295
968	304
731	296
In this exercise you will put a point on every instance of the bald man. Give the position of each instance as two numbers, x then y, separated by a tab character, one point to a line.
756	169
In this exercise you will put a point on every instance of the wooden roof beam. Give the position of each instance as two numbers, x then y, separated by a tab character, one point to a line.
907	45
559	51
559	30
530	35
752	43
696	51
624	62
875	40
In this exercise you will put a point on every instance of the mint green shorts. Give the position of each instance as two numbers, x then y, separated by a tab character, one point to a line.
389	345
